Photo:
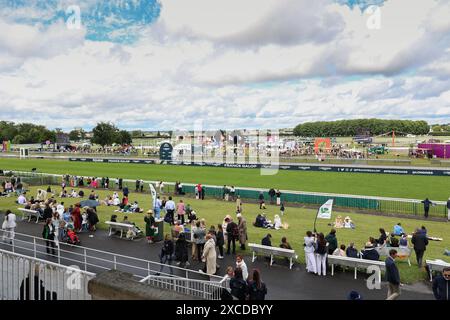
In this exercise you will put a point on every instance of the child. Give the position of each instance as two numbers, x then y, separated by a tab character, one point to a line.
282	209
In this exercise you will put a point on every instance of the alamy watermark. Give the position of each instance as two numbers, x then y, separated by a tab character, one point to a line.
231	148
374	280
374	20
73	281
73	14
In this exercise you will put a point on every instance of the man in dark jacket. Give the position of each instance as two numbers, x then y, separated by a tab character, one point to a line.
266	240
332	241
426	206
233	234
272	195
420	242
369	253
392	276
448	209
441	285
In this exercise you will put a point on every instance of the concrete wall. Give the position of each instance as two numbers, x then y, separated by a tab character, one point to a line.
117	285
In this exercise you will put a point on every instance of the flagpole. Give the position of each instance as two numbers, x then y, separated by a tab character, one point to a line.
315	220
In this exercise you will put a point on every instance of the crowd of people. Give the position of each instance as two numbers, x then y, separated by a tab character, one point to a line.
207	245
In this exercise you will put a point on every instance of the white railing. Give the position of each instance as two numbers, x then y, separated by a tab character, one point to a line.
403	200
207	290
94	260
27	278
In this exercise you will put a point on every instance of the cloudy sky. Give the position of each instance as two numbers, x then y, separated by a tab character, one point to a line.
231	64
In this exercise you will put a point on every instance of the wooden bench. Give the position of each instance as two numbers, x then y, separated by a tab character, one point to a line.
354	263
30	214
272	251
117	226
436	265
402	252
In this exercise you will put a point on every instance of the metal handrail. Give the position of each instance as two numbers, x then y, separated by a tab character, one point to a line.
148	265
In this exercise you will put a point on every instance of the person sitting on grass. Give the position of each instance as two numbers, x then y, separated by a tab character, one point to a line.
398	230
348	223
383	237
261	221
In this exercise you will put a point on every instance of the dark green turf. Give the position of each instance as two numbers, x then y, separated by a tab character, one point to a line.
399	186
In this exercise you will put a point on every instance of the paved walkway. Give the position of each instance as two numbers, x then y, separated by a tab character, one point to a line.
282	283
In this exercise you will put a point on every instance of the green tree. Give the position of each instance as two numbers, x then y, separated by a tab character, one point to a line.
104	134
18	139
123	137
74	135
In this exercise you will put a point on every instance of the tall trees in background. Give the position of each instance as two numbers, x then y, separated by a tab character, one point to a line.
347	128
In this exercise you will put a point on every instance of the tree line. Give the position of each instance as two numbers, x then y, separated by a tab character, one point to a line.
348	128
26	133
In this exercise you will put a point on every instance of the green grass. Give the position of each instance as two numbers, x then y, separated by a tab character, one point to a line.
418	187
299	220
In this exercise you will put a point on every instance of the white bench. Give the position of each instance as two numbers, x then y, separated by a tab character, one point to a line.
436	265
355	263
272	251
118	226
402	252
30	214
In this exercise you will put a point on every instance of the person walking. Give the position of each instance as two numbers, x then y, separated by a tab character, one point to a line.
238	285
220	240
310	240
181	250
209	255
149	226
166	253
232	234
238	204
278	195
242	226
181	210
392	276
441	285
426	206
321	255
272	195
332	241
170	209
9	225
240	263
199	239
49	235
448	209
420	242
257	289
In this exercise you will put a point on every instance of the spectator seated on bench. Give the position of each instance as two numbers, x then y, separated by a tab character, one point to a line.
369	252
133	231
351	251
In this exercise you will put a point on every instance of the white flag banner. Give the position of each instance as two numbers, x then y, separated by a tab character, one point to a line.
153	192
325	210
